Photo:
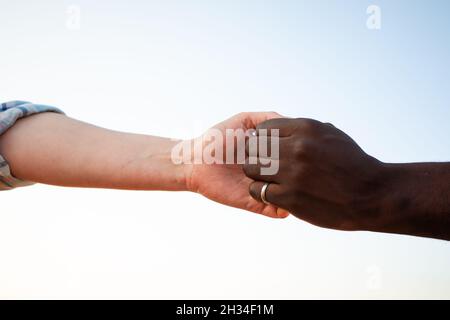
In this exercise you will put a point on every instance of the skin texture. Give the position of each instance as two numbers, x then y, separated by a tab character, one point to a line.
226	183
54	149
326	179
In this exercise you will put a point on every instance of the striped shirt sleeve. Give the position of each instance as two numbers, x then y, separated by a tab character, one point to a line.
10	112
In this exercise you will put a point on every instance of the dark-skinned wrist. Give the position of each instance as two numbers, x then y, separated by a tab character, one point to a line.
412	202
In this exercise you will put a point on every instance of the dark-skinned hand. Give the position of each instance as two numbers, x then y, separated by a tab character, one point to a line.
326	179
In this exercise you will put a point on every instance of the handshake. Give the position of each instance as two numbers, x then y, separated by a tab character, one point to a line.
271	165
259	162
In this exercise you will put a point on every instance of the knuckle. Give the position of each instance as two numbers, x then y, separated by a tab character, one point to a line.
266	124
274	123
307	124
302	148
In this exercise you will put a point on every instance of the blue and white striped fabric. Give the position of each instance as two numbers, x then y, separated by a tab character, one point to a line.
10	112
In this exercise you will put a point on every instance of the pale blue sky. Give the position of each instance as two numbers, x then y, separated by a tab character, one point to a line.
174	68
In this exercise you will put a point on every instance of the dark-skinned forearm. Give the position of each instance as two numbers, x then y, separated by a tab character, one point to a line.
417	201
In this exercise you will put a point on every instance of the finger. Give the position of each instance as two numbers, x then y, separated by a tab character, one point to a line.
267	147
320	212
253	119
306	207
270	211
288	126
282	213
262	169
285	127
273	192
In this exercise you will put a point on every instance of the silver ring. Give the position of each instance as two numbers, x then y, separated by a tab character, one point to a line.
263	193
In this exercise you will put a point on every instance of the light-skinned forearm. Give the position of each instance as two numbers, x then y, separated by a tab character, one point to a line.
54	149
